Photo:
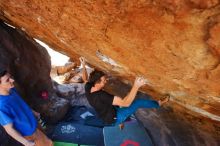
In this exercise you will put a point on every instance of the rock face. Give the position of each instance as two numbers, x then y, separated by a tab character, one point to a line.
174	44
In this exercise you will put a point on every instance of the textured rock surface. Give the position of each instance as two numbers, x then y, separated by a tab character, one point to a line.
174	44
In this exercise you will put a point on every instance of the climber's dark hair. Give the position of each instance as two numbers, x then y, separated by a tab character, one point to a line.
95	77
2	72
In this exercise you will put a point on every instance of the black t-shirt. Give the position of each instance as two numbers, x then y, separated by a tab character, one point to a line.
101	101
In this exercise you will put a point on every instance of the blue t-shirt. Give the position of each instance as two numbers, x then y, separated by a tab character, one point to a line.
14	110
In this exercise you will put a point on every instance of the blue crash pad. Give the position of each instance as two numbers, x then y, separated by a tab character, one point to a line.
133	134
77	133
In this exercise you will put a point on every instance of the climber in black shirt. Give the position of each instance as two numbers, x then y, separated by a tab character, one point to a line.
106	105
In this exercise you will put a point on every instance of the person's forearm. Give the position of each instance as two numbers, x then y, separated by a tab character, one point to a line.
84	74
16	135
131	96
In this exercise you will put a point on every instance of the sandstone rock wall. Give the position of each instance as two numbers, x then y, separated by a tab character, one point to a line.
174	44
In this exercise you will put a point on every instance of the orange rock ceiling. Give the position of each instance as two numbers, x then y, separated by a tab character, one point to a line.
174	44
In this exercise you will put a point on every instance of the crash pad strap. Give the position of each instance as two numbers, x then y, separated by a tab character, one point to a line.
56	143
